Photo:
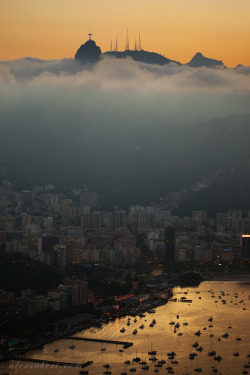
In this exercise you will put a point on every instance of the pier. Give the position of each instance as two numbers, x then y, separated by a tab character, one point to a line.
55	363
116	342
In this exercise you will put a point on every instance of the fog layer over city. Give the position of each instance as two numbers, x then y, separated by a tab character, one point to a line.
116	87
119	126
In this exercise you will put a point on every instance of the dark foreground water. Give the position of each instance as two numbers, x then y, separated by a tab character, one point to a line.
207	301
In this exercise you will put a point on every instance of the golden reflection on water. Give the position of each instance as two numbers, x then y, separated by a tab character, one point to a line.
207	301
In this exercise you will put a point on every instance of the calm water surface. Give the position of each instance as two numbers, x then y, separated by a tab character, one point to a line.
206	302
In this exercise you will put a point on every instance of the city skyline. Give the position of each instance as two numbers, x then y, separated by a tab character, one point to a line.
175	30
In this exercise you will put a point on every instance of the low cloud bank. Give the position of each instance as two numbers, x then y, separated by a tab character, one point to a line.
121	91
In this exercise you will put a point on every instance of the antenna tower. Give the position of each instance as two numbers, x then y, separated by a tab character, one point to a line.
135	45
139	40
127	42
111	47
116	45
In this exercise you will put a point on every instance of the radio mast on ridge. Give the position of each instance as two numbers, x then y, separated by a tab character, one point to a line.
127	42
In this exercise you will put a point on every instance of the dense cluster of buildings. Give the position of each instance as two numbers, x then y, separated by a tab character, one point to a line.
61	229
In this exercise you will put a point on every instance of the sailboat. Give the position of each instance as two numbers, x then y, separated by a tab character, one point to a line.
136	359
152	352
197	369
238	338
171	322
123	372
143	362
236	353
162	361
186	372
212	352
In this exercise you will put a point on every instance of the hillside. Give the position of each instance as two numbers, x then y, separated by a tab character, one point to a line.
18	273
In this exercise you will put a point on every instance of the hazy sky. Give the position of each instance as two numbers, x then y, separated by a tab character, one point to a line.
53	29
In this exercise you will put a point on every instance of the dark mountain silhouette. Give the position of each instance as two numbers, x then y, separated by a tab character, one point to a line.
89	52
142	56
199	60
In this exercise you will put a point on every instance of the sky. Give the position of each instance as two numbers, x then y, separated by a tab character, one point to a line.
55	29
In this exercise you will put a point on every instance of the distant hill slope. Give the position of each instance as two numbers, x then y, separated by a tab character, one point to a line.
230	192
142	56
199	60
221	144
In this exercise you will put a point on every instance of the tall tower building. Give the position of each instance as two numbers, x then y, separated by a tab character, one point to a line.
245	246
232	217
66	212
27	197
47	242
170	244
